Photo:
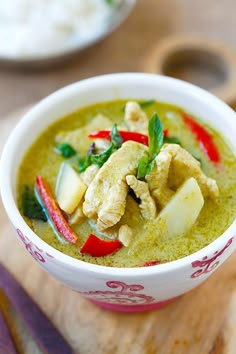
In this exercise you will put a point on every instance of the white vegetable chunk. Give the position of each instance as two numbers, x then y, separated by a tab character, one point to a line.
70	188
79	139
77	215
182	211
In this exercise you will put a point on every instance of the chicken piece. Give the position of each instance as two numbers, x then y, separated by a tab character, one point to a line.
158	178
173	166
105	197
135	118
78	138
141	190
183	166
88	175
125	235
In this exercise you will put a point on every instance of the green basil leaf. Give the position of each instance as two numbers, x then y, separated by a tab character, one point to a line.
146	103
142	166
65	150
171	140
155	134
116	142
116	139
100	159
145	167
83	164
30	205
150	167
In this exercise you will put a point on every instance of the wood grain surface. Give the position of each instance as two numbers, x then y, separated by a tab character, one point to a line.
200	322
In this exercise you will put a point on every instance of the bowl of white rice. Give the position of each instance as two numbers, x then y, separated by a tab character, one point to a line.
39	32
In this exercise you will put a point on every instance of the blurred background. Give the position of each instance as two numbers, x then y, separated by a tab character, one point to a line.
125	49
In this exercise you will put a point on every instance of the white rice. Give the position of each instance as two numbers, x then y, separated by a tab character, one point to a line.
37	28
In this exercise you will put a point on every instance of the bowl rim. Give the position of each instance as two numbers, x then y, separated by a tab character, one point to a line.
18	221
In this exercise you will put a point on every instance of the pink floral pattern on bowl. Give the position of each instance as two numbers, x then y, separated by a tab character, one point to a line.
208	265
34	250
125	294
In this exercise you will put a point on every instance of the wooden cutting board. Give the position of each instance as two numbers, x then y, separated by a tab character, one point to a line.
200	322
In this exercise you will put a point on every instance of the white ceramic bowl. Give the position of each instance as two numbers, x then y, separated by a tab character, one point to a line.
72	45
120	289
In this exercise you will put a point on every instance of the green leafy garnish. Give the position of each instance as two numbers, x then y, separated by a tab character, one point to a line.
100	159
155	135
146	103
110	2
171	140
83	164
116	139
142	166
150	167
116	142
30	205
65	150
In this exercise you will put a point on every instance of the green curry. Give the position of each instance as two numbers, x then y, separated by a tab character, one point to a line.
147	236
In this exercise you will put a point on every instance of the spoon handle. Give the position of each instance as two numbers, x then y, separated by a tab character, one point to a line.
45	334
6	343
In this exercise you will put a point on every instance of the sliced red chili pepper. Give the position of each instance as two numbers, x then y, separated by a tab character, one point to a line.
205	140
151	263
54	211
125	135
100	134
96	247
